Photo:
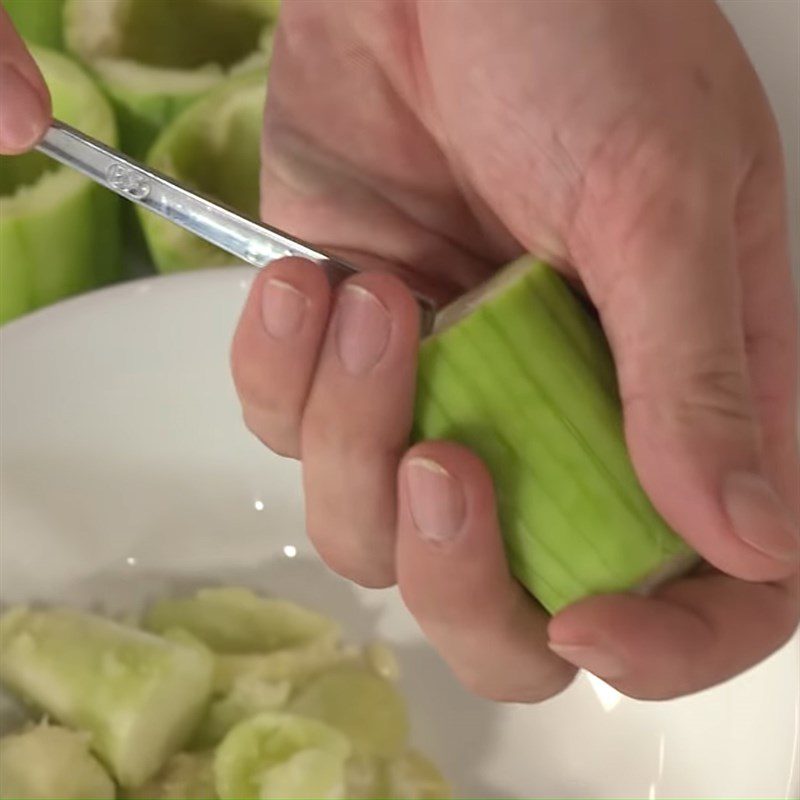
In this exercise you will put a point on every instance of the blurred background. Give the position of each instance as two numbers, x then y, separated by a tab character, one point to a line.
181	85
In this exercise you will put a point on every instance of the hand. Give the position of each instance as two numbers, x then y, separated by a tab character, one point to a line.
629	143
24	99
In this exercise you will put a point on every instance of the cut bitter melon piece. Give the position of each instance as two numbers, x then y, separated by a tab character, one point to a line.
186	776
237	620
409	776
365	777
363	705
46	762
212	147
293	664
248	696
412	776
281	756
59	231
520	372
137	696
155	58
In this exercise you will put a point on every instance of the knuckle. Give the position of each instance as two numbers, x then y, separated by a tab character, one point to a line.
280	438
254	424
254	388
354	444
370	573
515	688
256	384
368	562
709	388
651	178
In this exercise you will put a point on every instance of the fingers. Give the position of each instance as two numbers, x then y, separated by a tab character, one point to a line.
335	386
275	350
454	578
673	315
691	635
24	99
356	426
705	629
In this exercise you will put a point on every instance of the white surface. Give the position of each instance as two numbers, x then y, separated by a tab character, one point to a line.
125	468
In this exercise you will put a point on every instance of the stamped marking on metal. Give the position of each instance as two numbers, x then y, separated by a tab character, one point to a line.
128	181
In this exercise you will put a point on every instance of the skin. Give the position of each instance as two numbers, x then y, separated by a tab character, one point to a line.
631	144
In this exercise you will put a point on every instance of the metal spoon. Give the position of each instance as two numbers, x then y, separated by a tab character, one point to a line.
250	241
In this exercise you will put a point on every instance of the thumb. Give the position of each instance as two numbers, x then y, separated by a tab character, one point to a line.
670	304
24	99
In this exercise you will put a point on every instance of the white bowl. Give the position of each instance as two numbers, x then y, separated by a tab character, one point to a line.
126	469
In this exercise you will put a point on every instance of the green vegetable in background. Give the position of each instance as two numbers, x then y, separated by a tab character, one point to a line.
59	231
212	147
526	380
155	58
137	695
45	761
38	21
186	776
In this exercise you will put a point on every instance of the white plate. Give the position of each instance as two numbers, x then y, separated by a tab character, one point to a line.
125	467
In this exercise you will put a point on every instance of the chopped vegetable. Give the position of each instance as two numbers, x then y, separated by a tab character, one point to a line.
409	776
306	775
51	763
361	704
519	372
294	664
137	695
235	620
170	719
383	661
186	776
249	695
281	756
414	777
365	777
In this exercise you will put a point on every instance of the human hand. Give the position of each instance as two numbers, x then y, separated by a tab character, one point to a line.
631	145
24	99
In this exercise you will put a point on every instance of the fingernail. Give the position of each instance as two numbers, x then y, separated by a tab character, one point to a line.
760	518
362	329
282	308
596	660
22	111
436	500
